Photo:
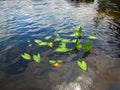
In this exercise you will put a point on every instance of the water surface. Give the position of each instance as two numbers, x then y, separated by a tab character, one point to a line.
22	20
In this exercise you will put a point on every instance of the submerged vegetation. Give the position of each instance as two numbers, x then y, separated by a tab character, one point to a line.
79	45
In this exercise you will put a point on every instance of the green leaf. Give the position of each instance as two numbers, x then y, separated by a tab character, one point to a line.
78	44
59	49
65	40
73	41
82	65
36	58
43	43
48	37
92	37
73	35
38	41
52	61
59	61
26	56
57	39
78	32
61	31
88	46
50	44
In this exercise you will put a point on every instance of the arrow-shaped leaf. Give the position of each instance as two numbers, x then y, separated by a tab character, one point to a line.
48	37
52	61
88	46
92	37
26	56
38	41
50	44
78	44
36	58
82	65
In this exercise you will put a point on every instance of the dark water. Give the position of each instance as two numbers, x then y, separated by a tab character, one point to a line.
22	20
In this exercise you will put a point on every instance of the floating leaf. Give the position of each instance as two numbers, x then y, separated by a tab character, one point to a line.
59	61
48	37
26	56
78	32
36	58
38	41
59	49
92	37
43	43
61	31
50	44
65	40
78	44
73	41
88	46
57	39
52	61
56	64
82	65
62	48
73	35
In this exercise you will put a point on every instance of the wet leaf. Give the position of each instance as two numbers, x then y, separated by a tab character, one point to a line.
78	32
26	56
78	44
56	64
73	41
73	35
92	37
52	61
50	44
43	43
48	37
61	31
88	46
65	40
36	58
38	41
82	65
57	39
63	49
59	61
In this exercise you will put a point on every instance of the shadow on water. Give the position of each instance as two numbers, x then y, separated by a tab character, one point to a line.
33	19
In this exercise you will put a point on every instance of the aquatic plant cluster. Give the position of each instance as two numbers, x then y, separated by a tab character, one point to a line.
62	48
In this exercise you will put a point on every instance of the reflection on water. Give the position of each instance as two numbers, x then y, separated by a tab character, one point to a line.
22	20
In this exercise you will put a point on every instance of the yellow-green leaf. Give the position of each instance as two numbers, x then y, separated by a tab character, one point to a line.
43	43
88	46
63	49
82	65
26	56
52	61
92	37
38	41
50	44
61	31
36	58
48	37
59	61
